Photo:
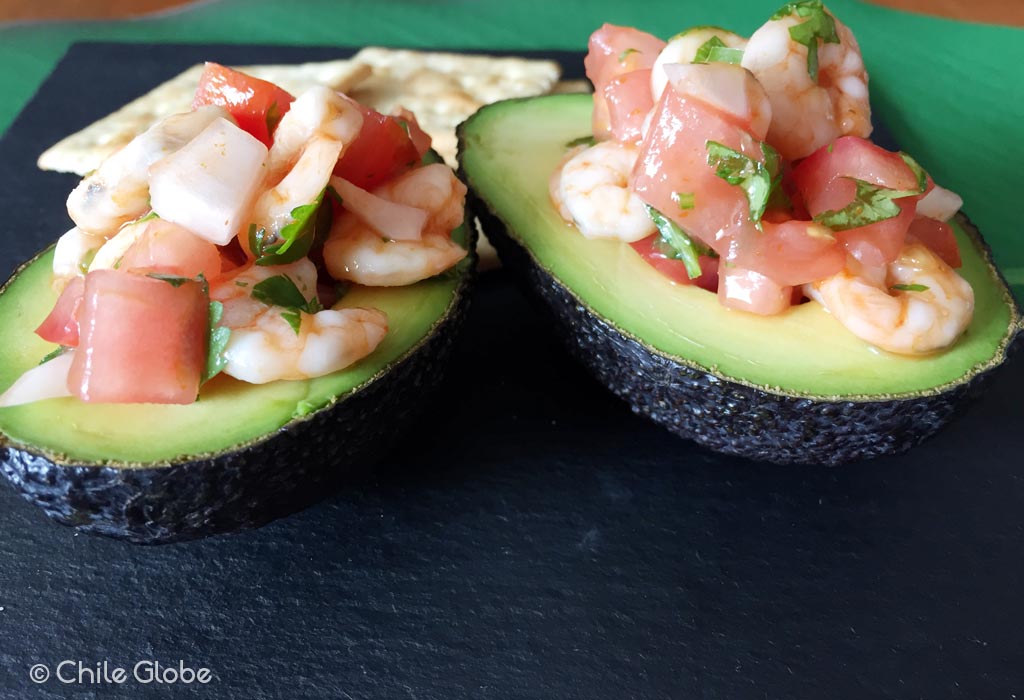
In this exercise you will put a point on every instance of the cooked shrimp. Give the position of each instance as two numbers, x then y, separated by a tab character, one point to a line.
594	190
110	253
357	252
118	191
264	347
74	252
808	113
302	185
317	113
307	144
913	306
360	254
434	189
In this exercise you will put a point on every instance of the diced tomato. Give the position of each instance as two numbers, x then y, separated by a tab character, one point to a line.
629	101
823	178
61	326
614	51
383	149
255	104
747	290
938	236
420	139
674	159
143	340
675	270
790	253
171	249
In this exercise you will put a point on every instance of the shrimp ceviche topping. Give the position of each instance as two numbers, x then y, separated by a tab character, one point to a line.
220	239
744	166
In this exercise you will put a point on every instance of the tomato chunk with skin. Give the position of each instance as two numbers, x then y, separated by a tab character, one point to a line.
383	149
168	248
938	237
143	340
613	51
790	253
61	325
823	181
651	251
674	160
256	105
628	97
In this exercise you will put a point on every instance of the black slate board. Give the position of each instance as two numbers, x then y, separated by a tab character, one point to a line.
532	538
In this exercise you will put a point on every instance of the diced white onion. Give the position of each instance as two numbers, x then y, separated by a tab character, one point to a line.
397	221
682	48
940	203
47	381
118	191
724	86
208	185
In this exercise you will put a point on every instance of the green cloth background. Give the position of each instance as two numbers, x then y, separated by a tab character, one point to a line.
951	92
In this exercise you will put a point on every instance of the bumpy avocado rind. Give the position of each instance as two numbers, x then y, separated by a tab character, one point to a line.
242	486
698	400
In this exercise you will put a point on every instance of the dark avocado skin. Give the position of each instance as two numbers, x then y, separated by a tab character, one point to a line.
719	414
302	463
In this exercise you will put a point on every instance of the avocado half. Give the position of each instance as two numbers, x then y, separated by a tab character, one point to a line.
243	454
795	388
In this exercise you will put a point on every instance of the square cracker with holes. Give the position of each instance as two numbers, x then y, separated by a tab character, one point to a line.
83	151
443	89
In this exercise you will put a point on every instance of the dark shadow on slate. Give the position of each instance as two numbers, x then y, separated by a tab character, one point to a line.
531	538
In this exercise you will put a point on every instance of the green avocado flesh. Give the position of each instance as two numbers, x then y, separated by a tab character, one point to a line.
229	413
510	150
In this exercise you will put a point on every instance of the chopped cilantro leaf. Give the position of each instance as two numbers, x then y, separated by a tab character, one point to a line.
173	280
294	319
625	54
919	173
757	179
581	141
685	200
86	261
303	408
685	248
148	217
309	226
216	340
54	354
280	290
909	287
273	117
872	203
714	50
818	24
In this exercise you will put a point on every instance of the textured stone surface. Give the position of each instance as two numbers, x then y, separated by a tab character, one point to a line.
530	537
